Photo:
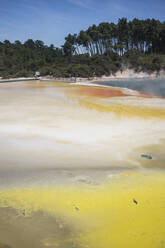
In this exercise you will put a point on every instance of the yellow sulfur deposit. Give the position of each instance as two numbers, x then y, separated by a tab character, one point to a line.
126	110
127	212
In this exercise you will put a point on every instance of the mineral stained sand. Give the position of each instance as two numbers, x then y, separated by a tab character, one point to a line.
71	170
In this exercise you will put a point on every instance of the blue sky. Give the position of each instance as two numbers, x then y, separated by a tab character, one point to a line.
51	20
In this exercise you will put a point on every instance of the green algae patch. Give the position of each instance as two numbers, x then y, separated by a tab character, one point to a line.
128	212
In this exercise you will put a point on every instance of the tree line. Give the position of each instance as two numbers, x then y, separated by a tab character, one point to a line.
147	36
24	58
99	50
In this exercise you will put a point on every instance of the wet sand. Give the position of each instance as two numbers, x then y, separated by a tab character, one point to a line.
71	167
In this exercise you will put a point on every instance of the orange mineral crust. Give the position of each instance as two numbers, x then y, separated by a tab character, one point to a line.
98	92
106	92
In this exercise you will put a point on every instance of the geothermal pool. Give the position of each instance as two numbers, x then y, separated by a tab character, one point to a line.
150	86
81	166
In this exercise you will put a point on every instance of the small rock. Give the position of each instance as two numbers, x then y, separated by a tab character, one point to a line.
135	201
23	212
146	156
76	208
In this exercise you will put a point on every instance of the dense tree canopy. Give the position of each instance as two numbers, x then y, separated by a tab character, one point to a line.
147	36
99	50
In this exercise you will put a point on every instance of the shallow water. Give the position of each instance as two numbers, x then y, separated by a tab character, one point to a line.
149	86
72	172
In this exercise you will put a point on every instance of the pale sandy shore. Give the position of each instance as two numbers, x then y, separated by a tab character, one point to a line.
125	74
131	74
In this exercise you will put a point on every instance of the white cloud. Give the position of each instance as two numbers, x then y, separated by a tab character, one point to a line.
82	3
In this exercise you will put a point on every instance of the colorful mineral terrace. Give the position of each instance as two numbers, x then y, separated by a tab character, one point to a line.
81	166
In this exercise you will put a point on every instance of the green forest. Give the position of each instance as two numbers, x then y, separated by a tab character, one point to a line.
100	50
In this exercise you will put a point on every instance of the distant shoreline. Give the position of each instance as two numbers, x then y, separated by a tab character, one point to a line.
119	75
